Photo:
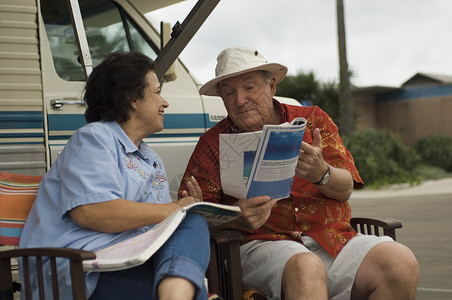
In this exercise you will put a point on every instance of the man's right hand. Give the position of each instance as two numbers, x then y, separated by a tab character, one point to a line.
255	211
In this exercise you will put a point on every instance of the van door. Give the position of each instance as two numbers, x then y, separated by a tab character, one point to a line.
63	75
111	26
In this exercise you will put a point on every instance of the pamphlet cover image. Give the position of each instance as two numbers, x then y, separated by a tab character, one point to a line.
277	167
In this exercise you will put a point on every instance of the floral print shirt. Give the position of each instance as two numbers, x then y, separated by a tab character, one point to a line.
306	211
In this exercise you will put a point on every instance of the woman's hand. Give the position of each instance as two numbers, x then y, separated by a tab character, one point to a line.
194	193
185	201
194	190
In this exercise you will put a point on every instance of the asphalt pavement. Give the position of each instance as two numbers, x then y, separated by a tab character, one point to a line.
425	211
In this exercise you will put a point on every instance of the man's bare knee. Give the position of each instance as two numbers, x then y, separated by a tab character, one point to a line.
396	263
304	277
306	262
389	271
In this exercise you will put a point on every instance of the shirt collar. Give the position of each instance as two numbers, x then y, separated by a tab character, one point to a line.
282	111
129	146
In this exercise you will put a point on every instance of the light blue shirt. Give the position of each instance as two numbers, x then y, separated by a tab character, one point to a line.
99	163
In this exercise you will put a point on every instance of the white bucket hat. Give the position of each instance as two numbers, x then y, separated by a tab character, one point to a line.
239	60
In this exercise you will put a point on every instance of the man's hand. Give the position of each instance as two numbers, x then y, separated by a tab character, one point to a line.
311	165
255	211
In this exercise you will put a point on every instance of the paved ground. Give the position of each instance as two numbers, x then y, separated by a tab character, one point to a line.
426	214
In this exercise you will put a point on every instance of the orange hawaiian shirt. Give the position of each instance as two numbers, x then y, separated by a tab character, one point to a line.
306	211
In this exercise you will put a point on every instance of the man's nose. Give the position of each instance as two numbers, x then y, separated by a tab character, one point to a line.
241	98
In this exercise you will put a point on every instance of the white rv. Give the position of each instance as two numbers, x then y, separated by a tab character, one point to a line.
48	47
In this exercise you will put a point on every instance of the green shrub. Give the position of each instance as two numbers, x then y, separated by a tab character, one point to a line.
435	151
381	157
424	172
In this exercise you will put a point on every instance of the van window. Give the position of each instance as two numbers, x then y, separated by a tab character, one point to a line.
108	29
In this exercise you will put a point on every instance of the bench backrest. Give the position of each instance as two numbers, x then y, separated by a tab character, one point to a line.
17	194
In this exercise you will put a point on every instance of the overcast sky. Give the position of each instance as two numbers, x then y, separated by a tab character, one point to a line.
388	41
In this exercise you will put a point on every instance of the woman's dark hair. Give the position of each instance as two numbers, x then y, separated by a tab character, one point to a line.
114	84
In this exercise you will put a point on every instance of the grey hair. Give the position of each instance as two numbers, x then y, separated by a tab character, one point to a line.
267	75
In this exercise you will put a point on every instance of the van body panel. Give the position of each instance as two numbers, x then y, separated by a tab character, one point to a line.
22	147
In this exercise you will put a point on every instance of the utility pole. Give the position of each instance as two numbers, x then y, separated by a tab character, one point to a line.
345	94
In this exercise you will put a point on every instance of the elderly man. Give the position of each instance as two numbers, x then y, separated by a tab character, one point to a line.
301	247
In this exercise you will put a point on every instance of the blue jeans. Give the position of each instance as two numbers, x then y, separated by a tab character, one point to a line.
186	254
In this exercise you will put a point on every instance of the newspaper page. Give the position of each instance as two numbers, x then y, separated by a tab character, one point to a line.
136	250
261	163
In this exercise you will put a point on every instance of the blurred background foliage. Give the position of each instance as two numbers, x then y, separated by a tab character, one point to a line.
382	158
436	151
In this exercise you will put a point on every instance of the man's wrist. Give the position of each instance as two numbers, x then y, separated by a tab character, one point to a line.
325	177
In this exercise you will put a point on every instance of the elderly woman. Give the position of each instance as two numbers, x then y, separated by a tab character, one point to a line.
107	185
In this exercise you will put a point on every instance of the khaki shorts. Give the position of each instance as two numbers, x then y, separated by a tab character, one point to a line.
263	263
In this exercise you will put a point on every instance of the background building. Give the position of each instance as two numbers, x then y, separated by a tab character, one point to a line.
421	107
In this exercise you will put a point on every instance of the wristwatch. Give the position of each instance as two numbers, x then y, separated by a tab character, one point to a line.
325	177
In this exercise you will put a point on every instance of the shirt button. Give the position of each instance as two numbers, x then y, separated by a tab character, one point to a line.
296	208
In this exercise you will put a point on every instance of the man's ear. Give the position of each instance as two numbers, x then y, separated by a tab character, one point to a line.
273	86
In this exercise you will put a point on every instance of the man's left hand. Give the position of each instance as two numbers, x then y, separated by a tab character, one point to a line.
311	165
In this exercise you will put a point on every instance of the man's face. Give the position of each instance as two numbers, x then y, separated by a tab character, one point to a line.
248	100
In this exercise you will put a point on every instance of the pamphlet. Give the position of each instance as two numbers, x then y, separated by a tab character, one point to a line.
261	163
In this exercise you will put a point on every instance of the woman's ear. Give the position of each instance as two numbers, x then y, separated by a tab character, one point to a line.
134	104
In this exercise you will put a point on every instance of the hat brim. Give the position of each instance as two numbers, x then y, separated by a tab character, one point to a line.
210	87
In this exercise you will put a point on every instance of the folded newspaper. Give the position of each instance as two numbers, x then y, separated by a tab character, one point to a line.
261	163
136	250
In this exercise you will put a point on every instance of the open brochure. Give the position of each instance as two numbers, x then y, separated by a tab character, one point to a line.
135	251
261	163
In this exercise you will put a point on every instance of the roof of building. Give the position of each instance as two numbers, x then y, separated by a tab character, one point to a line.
369	92
426	79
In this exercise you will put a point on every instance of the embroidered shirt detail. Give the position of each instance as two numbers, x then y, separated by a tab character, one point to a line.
155	176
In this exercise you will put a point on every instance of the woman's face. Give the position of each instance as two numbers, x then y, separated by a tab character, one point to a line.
150	108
